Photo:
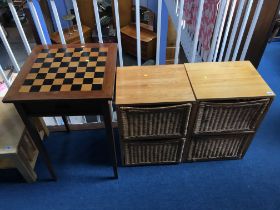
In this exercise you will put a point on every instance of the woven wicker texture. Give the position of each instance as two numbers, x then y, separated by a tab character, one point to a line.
235	116
153	152
217	147
154	123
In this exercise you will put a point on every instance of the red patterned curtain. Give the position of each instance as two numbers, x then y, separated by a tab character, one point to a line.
210	10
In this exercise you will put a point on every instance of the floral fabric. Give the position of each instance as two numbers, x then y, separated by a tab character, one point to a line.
210	10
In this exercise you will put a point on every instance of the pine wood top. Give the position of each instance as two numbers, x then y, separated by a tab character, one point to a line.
222	80
153	84
59	72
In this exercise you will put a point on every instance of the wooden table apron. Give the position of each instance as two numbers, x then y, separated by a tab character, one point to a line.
73	103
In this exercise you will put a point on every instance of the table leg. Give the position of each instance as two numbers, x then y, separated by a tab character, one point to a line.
36	139
110	136
66	124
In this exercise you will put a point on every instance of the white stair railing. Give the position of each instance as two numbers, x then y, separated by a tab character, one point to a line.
197	29
234	29
78	20
241	32
58	23
97	21
3	75
221	29
158	31
227	29
117	18
19	27
228	33
37	22
138	35
251	30
179	31
8	48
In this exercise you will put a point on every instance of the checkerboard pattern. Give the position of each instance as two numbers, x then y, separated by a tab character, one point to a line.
67	69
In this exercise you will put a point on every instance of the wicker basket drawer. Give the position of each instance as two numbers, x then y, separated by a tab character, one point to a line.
152	152
213	147
232	116
153	122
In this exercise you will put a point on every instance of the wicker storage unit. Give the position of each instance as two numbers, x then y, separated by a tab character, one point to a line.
232	99
154	104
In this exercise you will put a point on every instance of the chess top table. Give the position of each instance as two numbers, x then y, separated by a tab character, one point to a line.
60	72
66	80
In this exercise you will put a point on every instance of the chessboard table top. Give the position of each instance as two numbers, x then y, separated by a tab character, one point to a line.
226	80
153	85
66	72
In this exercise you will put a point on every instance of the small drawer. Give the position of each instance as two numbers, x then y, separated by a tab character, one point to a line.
137	123
152	152
59	108
229	116
27	150
211	147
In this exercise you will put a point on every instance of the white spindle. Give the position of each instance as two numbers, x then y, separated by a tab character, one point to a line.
184	24
197	29
158	30
58	23
19	27
85	119
179	31
251	30
176	7
227	30
37	22
56	120
69	120
8	48
242	29
234	29
78	20
138	35
6	80
98	118
216	30
97	21
117	18
221	30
